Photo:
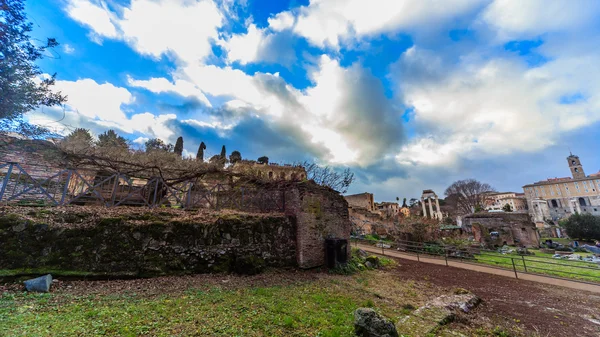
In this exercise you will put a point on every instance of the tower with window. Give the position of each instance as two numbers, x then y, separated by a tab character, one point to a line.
575	166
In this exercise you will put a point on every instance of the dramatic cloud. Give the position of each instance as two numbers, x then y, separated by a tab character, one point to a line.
155	28
328	22
160	85
461	84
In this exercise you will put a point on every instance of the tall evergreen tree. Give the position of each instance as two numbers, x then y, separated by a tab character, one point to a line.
223	153
200	153
21	89
179	146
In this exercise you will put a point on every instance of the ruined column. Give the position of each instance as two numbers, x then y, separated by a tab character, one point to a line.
438	212
578	206
423	204
571	206
430	208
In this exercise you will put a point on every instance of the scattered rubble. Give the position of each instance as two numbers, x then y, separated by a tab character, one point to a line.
440	311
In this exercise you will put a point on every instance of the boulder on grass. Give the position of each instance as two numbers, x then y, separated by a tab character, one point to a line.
368	323
40	284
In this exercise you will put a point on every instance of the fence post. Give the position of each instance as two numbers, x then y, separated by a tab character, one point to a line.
381	243
66	189
524	265
446	256
189	194
514	267
5	182
113	196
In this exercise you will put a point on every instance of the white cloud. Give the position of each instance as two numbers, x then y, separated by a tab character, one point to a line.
528	19
281	21
328	22
244	48
155	27
93	14
96	101
488	107
68	49
180	26
160	85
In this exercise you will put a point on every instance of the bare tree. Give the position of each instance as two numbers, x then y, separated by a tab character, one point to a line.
327	176
468	195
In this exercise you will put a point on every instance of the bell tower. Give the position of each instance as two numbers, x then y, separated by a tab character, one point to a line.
575	166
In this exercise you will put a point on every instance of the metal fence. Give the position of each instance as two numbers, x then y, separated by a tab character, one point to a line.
574	270
30	184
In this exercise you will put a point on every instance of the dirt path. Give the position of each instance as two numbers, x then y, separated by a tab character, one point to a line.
488	270
539	309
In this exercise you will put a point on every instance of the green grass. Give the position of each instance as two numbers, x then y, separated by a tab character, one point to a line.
322	308
540	264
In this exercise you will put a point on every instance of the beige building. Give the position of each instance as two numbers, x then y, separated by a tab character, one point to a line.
557	198
497	201
388	208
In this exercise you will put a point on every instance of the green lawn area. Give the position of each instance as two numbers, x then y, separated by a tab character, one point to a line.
540	263
316	308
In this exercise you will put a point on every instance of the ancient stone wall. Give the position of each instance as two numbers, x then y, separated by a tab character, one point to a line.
120	246
496	229
320	213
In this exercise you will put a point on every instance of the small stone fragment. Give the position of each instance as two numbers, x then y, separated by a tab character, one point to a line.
40	284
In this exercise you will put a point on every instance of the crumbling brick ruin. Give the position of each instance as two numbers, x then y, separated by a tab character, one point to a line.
296	217
497	229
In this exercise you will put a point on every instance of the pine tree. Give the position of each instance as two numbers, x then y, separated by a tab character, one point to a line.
22	88
111	139
179	146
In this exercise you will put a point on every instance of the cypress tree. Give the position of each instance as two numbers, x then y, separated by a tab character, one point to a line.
179	146
200	153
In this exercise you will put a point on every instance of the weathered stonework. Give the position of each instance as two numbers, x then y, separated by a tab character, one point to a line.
497	229
115	246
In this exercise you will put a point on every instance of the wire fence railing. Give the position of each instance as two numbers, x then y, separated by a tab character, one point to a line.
35	185
564	268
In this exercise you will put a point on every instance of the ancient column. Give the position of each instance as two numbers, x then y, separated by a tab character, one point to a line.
571	206
438	213
423	204
430	209
578	206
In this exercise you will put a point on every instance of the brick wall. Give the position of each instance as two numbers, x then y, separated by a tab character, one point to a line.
320	213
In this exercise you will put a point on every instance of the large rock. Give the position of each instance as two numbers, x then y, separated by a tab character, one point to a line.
368	323
440	311
40	284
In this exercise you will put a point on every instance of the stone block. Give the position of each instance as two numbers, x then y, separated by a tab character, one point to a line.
40	284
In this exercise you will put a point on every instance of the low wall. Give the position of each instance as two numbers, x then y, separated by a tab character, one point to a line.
143	244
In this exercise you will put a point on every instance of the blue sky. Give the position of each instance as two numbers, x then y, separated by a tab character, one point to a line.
411	94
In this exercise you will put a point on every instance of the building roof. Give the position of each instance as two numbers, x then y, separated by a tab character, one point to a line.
551	181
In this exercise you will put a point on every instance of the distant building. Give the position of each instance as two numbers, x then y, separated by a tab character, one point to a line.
497	201
388	208
558	198
362	200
